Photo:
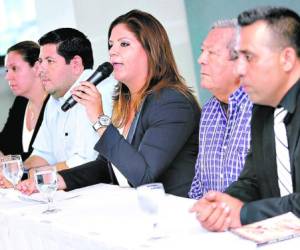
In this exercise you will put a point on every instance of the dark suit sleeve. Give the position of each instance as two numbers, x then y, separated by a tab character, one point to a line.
90	173
246	187
169	119
255	208
266	208
261	202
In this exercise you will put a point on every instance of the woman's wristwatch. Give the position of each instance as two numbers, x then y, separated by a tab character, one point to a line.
103	121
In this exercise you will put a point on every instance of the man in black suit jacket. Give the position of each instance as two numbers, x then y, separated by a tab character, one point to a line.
269	66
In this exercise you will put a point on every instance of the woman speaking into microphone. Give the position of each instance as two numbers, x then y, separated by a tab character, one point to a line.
152	135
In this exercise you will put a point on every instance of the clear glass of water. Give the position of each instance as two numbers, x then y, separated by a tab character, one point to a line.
150	198
46	183
12	168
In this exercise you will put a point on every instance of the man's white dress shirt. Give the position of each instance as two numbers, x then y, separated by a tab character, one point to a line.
69	136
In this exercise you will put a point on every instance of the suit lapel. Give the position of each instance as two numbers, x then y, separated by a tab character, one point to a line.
269	152
294	139
294	145
133	126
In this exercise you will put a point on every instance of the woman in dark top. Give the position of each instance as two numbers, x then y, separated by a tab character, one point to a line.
26	113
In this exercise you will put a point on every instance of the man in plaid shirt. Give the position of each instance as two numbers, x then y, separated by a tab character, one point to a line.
224	136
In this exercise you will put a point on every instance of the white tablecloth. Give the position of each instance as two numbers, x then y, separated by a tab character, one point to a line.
109	217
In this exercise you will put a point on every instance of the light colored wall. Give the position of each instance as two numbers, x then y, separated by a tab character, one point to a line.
53	14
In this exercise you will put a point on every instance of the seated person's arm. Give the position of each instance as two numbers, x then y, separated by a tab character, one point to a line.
28	186
37	161
61	166
34	161
41	158
61	183
4	183
30	163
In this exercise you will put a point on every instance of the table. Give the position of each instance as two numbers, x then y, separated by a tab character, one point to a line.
108	217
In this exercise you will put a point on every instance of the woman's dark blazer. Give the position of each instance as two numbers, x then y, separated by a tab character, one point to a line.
161	146
11	135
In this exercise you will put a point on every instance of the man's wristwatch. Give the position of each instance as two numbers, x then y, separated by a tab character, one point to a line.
103	121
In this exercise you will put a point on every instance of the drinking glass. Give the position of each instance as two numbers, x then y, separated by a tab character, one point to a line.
12	168
150	198
46	183
2	193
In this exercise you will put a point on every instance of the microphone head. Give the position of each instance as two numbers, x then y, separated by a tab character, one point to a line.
102	72
105	68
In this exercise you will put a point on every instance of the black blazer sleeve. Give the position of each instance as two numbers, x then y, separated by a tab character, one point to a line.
11	135
266	208
87	174
257	185
246	188
263	208
168	119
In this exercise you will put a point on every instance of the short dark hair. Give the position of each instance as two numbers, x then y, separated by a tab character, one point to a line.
71	42
29	51
283	22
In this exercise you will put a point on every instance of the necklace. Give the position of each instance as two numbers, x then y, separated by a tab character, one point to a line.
32	113
31	117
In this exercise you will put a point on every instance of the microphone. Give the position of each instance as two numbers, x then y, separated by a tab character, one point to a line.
102	72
